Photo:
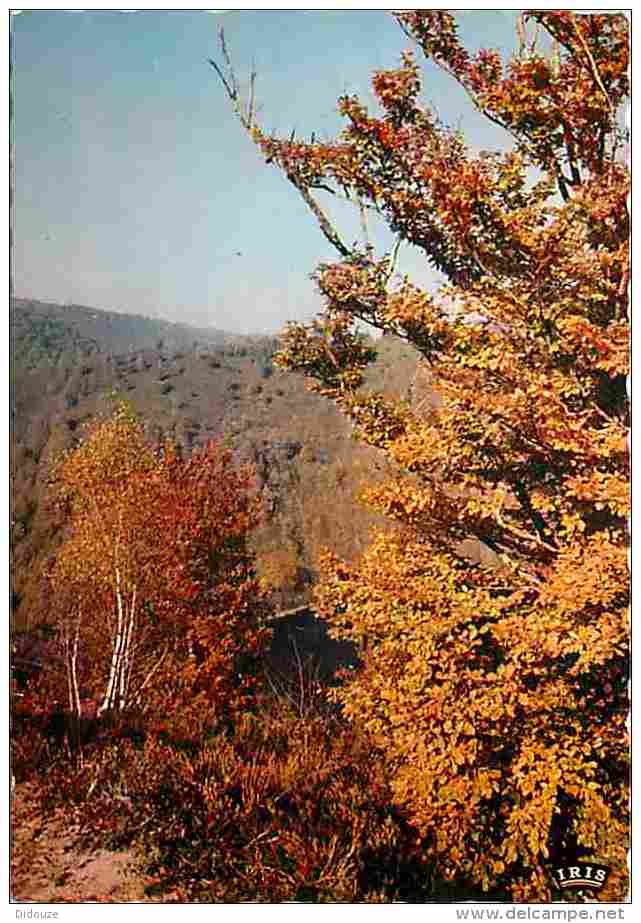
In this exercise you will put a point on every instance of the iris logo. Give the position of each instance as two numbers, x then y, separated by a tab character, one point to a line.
582	875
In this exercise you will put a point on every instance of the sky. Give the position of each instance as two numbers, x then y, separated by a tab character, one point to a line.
136	189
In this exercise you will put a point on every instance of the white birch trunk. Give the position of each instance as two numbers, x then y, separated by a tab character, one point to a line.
127	654
132	651
71	664
74	670
108	700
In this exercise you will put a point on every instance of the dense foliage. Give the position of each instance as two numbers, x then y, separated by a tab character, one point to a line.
497	692
284	807
155	577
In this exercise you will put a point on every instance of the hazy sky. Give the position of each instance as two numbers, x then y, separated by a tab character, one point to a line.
135	189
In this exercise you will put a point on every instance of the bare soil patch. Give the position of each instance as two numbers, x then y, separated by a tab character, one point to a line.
50	865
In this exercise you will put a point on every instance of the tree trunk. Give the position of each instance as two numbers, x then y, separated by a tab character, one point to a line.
116	657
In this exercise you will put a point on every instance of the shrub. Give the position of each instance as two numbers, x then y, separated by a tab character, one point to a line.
279	808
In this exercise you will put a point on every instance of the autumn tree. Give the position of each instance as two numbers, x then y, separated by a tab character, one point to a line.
498	693
154	577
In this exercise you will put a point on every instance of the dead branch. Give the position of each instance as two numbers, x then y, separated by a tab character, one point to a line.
246	116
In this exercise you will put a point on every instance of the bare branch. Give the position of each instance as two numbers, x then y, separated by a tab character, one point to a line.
230	92
246	116
325	225
230	69
363	214
392	265
252	99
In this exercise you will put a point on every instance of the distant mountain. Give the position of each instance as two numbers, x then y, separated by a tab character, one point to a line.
43	332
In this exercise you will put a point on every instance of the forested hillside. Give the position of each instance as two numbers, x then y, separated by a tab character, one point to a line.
70	364
43	333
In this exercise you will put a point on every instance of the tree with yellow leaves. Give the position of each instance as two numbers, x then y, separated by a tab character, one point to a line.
154	585
498	692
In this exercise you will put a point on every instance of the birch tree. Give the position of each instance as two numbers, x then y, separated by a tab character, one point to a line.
152	541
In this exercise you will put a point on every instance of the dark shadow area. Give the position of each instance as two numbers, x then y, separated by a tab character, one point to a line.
301	637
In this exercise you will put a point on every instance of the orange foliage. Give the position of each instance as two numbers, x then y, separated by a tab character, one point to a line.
498	693
154	584
284	808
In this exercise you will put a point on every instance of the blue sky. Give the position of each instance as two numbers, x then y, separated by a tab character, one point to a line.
135	189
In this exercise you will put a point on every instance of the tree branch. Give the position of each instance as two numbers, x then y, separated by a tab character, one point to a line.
326	226
246	116
593	66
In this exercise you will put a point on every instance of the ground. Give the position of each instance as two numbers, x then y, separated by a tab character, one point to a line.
49	865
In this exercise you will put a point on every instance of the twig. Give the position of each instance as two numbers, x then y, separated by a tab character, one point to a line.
252	99
363	215
593	67
325	225
136	698
392	267
246	118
